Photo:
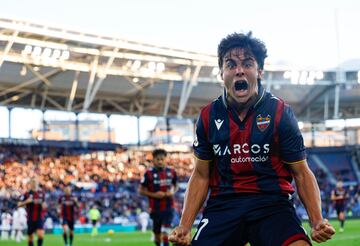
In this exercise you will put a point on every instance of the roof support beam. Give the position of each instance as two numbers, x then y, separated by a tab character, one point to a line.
100	80
168	97
117	106
93	72
15	98
186	91
8	47
29	82
73	91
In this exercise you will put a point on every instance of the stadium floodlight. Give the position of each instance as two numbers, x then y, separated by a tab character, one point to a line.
65	55
287	75
303	77
319	75
151	66
215	71
46	53
37	51
56	54
295	77
136	65
27	50
311	78
160	67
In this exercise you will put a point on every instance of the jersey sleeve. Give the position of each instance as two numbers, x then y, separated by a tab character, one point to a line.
174	179
292	149
145	179
202	146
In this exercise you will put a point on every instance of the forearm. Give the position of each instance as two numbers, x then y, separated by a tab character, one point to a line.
309	194
147	193
194	199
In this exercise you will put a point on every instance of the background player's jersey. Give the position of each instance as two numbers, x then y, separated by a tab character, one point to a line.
249	156
67	207
35	210
341	195
156	179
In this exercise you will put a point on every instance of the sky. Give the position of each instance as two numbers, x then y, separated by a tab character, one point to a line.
315	34
303	33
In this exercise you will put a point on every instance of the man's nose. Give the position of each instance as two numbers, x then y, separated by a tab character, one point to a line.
239	71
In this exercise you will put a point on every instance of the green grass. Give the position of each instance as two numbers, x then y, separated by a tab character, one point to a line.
350	237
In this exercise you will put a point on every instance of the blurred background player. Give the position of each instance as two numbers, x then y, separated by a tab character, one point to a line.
159	184
94	215
5	225
143	220
339	196
68	205
18	224
34	200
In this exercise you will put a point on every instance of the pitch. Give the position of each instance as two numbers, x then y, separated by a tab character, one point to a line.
350	237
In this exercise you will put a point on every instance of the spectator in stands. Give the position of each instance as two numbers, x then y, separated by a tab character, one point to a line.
34	200
339	196
248	149
159	185
68	206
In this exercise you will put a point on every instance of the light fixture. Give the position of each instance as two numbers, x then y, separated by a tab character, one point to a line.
215	71
160	67
136	65
135	80
23	70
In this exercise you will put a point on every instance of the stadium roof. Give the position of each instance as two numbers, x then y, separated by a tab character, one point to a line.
47	67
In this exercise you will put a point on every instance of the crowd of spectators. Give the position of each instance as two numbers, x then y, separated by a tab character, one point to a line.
109	179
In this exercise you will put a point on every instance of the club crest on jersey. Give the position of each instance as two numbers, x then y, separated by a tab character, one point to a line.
263	122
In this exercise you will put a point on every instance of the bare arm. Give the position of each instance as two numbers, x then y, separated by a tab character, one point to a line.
195	196
309	194
308	190
145	192
196	193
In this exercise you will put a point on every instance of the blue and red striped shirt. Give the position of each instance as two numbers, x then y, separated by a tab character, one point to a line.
160	179
68	204
249	156
35	210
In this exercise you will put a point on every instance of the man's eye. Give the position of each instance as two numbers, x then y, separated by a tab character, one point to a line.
230	64
248	64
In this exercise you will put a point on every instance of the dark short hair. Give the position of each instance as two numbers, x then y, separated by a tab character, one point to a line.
157	152
246	42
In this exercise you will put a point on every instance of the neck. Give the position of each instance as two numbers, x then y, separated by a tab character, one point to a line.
242	108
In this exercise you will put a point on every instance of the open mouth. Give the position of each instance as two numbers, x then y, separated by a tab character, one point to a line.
241	85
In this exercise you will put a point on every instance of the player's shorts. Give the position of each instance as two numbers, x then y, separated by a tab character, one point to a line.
340	208
161	219
261	220
69	223
93	222
33	226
